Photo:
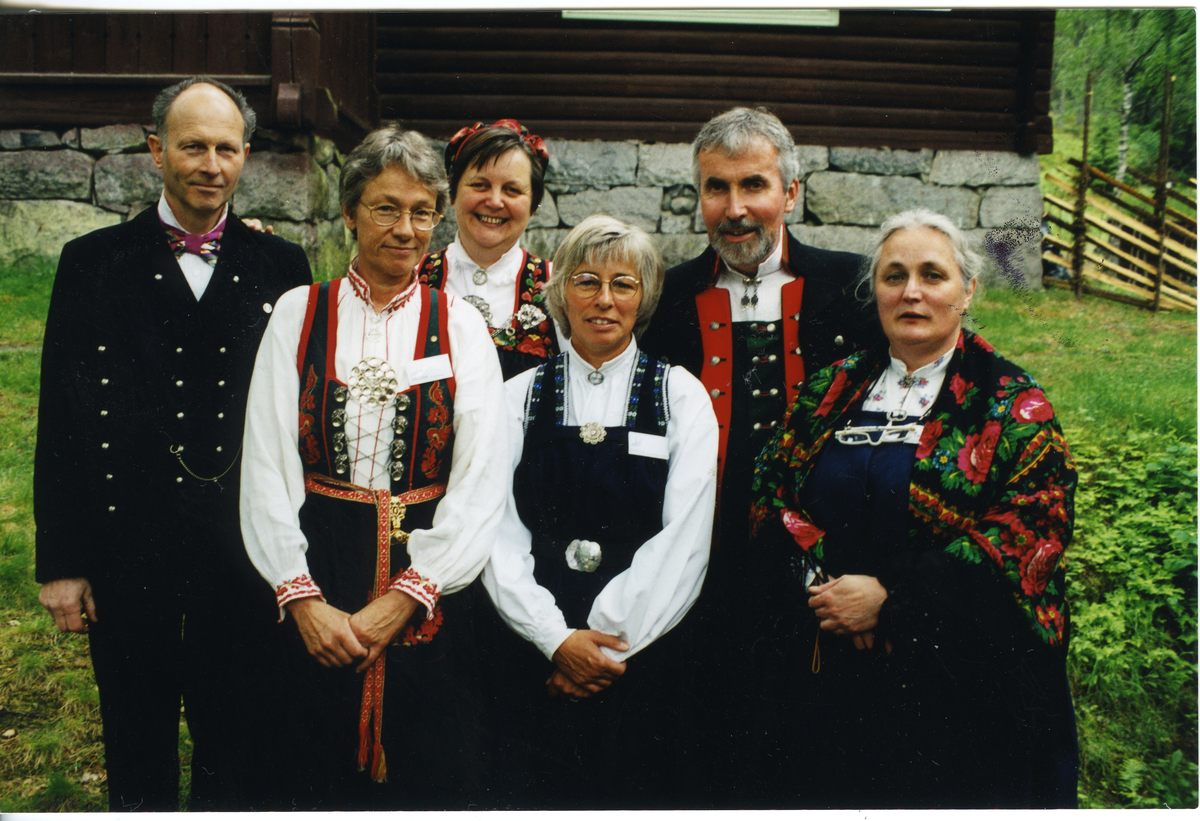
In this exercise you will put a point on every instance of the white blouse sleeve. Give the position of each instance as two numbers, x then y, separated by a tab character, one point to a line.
527	607
272	473
453	551
663	581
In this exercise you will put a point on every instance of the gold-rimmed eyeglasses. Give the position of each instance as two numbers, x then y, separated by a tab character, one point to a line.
621	287
386	215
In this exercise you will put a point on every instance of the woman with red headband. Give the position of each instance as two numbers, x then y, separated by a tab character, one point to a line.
496	172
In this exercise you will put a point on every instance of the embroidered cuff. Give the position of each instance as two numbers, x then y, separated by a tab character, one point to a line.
419	587
301	587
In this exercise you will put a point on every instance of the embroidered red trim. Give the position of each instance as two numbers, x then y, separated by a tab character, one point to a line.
363	289
419	587
301	587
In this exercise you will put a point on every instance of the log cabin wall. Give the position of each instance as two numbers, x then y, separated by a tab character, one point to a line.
889	110
75	98
956	80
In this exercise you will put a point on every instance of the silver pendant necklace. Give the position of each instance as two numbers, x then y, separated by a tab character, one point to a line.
750	296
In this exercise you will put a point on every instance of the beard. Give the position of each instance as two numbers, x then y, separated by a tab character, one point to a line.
748	252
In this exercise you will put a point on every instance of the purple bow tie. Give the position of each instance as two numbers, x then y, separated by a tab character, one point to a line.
205	246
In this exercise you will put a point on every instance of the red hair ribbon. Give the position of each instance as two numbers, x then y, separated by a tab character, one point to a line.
467	131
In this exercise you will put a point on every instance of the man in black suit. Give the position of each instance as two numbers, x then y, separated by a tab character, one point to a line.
752	317
150	342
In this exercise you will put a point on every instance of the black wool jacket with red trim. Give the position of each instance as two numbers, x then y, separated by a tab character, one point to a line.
833	322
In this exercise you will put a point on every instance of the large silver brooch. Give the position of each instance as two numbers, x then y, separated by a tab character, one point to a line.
373	382
529	316
583	556
592	433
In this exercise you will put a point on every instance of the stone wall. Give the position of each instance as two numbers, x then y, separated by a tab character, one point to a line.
845	193
57	186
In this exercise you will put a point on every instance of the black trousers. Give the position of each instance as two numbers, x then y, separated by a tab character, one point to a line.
203	630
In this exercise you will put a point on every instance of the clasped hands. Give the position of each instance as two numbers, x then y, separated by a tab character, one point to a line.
849	606
582	667
336	638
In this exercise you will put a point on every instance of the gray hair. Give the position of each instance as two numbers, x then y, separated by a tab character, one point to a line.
392	145
600	240
732	132
166	98
970	264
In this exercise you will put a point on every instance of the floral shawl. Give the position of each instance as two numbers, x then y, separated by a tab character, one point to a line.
991	500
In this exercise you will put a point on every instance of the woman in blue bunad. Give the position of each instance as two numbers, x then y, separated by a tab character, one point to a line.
496	175
605	537
371	450
917	505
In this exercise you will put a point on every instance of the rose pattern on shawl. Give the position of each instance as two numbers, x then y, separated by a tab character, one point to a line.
1038	565
975	458
533	344
1031	406
803	531
960	388
929	437
991	488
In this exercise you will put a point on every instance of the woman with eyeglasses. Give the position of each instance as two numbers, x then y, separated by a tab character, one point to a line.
496	175
369	497
917	505
605	537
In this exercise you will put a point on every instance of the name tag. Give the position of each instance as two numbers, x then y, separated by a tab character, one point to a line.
914	435
648	444
429	369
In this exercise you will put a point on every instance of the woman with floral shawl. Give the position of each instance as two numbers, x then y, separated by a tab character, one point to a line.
911	518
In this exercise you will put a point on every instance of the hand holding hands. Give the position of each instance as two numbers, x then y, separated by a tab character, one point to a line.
326	632
378	623
583	670
849	606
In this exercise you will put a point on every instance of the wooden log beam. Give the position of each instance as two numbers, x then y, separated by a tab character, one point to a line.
468	106
823	92
420	58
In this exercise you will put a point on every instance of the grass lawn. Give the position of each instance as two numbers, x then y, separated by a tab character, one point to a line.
1124	387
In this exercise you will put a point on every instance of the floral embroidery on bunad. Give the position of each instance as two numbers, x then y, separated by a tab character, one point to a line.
993	482
309	449
427	593
528	330
438	433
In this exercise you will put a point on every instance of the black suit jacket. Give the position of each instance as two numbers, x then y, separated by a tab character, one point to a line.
833	323
133	366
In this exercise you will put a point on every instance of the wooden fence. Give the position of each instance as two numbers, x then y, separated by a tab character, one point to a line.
1120	246
1123	244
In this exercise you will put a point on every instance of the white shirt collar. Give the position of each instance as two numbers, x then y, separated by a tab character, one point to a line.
612	368
504	269
914	393
168	216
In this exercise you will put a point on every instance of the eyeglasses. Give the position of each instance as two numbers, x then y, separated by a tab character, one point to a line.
386	215
621	287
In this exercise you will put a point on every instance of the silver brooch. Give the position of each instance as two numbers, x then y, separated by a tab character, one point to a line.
592	433
482	306
373	382
595	377
583	555
479	277
530	316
